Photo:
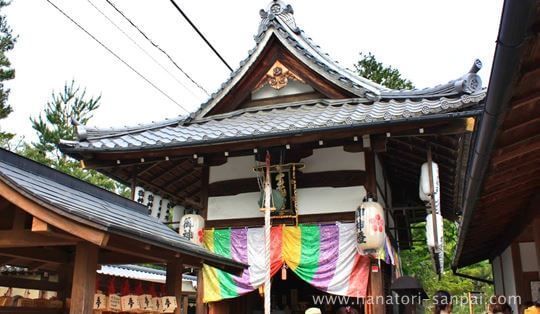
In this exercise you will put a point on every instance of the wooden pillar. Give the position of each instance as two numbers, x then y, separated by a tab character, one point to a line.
205	177
375	278
84	277
173	282
377	289
201	307
185	304
65	280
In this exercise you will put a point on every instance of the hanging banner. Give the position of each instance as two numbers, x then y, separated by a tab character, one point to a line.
324	256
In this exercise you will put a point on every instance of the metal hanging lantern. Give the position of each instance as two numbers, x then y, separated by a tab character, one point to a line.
370	226
192	228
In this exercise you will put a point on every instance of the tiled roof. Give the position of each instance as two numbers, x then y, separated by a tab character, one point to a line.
310	115
140	273
88	204
373	102
278	20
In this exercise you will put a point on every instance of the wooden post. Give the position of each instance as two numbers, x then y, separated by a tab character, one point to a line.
375	278
377	289
185	304
200	306
84	277
173	282
205	178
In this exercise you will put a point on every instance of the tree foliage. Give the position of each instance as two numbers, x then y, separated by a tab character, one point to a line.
370	68
55	124
417	262
7	42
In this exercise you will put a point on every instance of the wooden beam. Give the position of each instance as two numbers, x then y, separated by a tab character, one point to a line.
173	282
24	238
84	277
516	150
88	231
46	255
40	226
24	283
341	178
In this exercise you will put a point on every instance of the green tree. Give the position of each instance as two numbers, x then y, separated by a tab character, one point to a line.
370	68
7	41
417	262
54	124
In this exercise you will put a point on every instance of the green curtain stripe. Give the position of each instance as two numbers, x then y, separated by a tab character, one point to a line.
222	246
309	256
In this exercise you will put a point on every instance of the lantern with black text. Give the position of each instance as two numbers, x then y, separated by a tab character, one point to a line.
370	226
192	228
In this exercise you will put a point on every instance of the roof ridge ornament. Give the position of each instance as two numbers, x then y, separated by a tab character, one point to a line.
471	82
278	9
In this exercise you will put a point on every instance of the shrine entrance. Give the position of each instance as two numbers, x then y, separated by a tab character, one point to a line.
290	295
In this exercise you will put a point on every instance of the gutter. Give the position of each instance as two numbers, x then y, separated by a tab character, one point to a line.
454	271
515	21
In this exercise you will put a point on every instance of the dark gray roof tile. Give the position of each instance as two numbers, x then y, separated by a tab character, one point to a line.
89	204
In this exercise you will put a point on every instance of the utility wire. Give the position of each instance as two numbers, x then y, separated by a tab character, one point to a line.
117	56
200	34
157	46
142	49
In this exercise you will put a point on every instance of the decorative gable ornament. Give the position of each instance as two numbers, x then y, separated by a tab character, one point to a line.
278	77
370	226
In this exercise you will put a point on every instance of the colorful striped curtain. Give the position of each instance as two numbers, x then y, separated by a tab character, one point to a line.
324	256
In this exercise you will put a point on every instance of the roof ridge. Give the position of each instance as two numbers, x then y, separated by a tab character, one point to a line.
325	101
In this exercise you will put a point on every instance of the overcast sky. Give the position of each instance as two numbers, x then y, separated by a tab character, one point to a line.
430	42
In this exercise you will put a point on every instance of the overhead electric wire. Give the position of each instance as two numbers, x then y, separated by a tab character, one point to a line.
200	34
142	49
157	46
117	56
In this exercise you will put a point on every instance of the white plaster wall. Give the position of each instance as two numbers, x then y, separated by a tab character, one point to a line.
497	275
244	205
508	275
234	168
322	200
529	260
329	200
332	159
292	88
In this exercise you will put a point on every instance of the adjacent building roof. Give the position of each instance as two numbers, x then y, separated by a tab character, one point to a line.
93	206
146	274
371	103
503	182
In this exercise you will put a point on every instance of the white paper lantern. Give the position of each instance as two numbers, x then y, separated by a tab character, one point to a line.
424	188
370	226
191	228
430	234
